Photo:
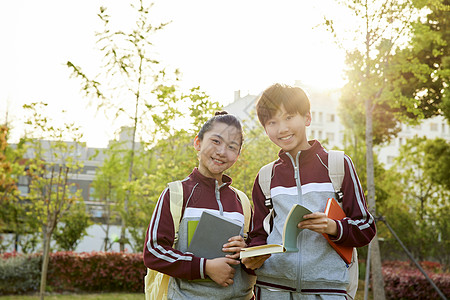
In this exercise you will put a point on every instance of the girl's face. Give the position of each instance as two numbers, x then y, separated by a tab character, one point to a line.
218	150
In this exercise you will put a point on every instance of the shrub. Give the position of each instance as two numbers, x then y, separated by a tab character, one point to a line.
19	274
96	271
404	281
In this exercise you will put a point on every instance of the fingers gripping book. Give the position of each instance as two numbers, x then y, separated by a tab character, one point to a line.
290	233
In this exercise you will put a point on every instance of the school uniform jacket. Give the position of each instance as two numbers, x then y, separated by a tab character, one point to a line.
200	194
316	268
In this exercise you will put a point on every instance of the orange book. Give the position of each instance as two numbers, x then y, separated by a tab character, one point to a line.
334	211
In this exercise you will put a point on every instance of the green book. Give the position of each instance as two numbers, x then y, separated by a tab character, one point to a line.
192	225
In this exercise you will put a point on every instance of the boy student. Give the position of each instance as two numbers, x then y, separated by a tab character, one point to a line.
218	145
300	175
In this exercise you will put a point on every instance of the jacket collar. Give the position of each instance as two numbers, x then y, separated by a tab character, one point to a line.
305	155
208	181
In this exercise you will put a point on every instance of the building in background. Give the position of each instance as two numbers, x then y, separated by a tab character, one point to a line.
326	125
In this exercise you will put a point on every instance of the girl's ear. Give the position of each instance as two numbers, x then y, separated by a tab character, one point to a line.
197	143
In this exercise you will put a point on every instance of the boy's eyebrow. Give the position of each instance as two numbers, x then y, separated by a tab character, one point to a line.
220	137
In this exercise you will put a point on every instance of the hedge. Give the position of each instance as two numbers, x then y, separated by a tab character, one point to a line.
73	272
402	280
124	272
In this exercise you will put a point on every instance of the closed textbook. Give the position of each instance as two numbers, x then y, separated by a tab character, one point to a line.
334	211
211	232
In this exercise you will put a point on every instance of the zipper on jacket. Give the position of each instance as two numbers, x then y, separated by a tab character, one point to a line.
217	192
296	169
296	165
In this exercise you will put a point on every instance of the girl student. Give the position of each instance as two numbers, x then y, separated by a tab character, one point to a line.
207	188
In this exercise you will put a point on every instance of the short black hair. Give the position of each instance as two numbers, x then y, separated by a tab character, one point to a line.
294	99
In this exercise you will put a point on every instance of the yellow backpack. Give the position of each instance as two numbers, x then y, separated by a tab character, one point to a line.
156	284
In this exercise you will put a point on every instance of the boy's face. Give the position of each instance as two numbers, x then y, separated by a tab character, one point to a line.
218	150
287	130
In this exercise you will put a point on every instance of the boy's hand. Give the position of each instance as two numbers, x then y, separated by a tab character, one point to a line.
234	245
319	222
254	262
219	270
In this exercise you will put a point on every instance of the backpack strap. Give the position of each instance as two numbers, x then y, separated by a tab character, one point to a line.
264	179
336	171
156	283
176	204
246	208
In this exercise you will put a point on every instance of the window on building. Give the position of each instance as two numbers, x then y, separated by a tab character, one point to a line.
320	117
91	194
319	135
390	159
433	126
331	118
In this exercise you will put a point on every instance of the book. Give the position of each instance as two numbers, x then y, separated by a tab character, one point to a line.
290	233
210	234
334	211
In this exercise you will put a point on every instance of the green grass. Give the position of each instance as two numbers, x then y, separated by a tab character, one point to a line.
108	296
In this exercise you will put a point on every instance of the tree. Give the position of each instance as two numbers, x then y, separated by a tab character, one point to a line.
377	28
107	184
8	186
72	227
426	199
129	75
422	70
48	165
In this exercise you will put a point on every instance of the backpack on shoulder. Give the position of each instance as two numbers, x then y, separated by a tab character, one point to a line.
156	284
336	173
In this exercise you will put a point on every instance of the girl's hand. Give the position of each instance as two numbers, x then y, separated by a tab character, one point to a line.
254	262
319	222
220	270
234	245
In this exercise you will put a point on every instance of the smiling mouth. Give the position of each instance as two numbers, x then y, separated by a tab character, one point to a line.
286	137
218	161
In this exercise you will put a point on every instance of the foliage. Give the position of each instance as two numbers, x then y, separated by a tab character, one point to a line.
422	70
403	281
97	271
48	166
257	151
124	272
8	187
426	203
19	274
437	161
72	228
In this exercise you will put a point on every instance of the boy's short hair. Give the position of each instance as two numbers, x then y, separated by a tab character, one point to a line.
294	99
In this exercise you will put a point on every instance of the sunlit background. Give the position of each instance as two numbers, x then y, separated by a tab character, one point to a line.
221	46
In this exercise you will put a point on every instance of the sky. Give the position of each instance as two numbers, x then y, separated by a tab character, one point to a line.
221	46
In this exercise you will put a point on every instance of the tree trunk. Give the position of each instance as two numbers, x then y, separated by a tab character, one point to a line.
375	256
45	260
